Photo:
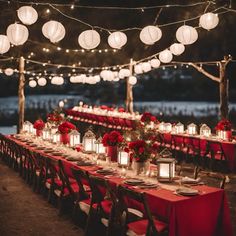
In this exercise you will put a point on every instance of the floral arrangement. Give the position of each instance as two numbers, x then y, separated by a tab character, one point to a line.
66	127
55	118
39	124
147	117
113	138
140	150
224	125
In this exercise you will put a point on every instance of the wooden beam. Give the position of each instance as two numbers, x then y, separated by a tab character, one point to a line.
129	91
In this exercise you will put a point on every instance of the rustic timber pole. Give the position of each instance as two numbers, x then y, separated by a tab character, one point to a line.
21	95
129	91
223	84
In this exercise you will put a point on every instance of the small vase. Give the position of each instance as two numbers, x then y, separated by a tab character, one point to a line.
65	138
112	152
140	167
39	132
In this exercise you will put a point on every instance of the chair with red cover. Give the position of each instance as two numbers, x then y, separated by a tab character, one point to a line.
144	225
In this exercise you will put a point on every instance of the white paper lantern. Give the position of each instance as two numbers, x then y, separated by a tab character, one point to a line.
97	78
57	80
186	34
138	69
117	40
132	80
124	73
42	81
54	31
4	44
165	56
107	75
32	83
9	71
209	21
177	49
27	14
146	66
89	39
150	34
17	34
155	63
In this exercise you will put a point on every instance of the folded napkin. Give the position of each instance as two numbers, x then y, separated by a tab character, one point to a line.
190	180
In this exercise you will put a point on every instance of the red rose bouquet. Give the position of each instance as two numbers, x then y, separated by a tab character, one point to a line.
39	124
140	150
113	138
147	117
224	125
55	118
66	127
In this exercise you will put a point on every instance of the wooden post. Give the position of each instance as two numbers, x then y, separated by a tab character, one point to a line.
21	95
223	84
129	91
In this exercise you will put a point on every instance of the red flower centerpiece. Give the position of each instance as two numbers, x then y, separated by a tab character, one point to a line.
65	128
55	118
147	117
39	126
223	129
111	141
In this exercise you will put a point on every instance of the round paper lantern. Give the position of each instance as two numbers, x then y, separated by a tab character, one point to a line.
124	73
89	39
54	31
138	69
32	83
146	66
97	78
150	34
42	81
27	14
17	34
117	40
165	56
57	80
177	49
209	21
4	44
155	63
132	80
9	71
186	34
107	75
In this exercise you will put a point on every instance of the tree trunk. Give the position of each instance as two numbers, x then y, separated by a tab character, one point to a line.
21	95
223	89
129	91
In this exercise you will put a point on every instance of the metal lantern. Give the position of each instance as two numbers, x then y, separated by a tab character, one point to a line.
205	130
56	137
162	126
166	169
46	134
179	128
74	138
89	140
168	127
123	158
99	148
28	127
192	129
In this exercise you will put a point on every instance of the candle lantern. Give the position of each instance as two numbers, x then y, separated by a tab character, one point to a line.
123	158
89	140
46	134
205	130
74	138
99	148
162	126
168	127
179	128
56	137
192	129
166	169
28	127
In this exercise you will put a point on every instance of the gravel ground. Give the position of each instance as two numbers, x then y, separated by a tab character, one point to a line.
25	213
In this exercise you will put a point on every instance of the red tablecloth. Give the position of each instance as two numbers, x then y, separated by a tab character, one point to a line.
206	214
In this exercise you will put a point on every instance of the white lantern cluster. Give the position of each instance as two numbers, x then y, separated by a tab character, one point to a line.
27	127
42	81
107	75
27	14
177	49
150	34
132	80
32	83
186	34
155	63
54	31
85	79
4	44
57	80
117	40
17	34
89	39
146	67
9	71
165	56
123	73
209	21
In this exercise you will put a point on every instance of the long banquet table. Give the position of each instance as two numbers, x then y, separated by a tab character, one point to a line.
206	214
